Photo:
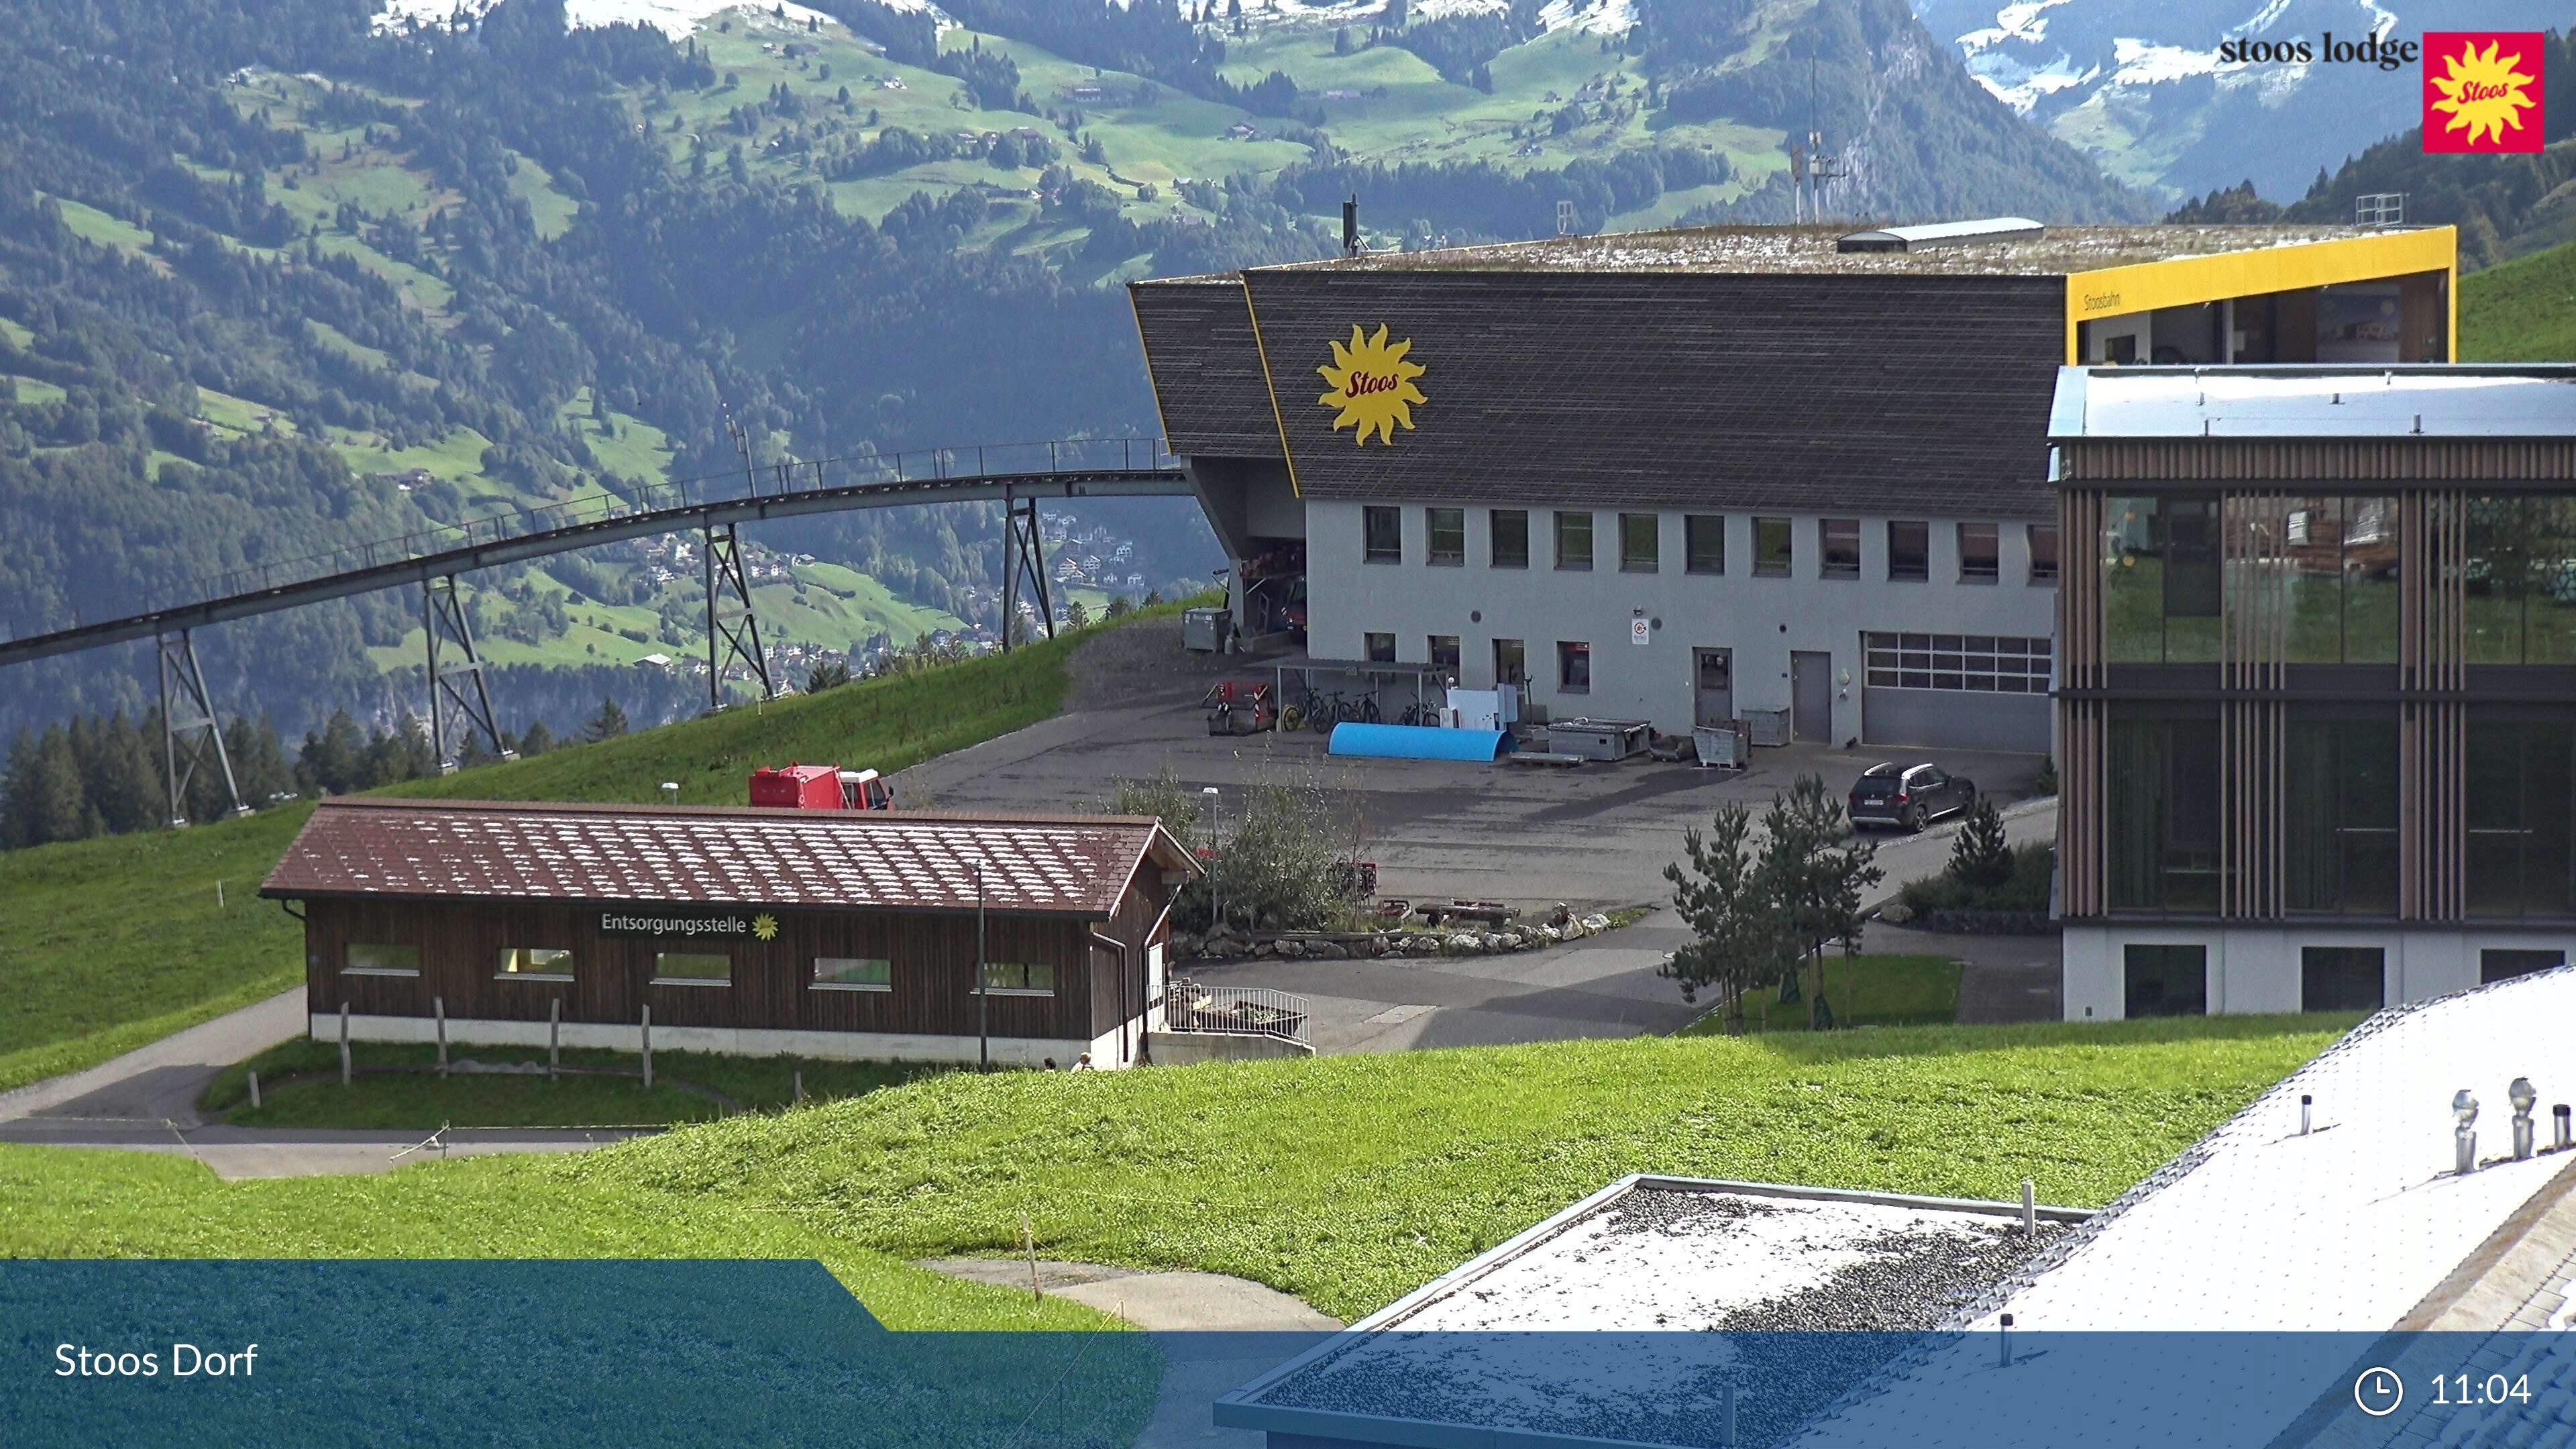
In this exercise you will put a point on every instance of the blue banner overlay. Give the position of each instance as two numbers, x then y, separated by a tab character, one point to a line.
293	1354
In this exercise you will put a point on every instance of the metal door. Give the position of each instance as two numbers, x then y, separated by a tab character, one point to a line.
1713	686
1811	695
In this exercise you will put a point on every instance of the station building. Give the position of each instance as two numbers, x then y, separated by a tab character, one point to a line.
1684	476
2318	684
755	932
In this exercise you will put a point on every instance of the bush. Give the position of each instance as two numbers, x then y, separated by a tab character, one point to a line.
1279	868
2025	889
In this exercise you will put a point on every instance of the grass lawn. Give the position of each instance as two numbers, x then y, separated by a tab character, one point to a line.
2521	311
108	944
423	1101
1345	1180
1864	991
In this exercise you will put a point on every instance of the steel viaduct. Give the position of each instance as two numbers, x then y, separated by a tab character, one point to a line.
1017	475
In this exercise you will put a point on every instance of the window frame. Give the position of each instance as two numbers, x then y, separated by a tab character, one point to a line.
1432	528
1826	529
817	983
1919	569
2032	575
1371	515
1992	571
1567	651
660	979
1692	534
1561	530
1519	647
503	973
1457	659
1495	557
984	985
1787	564
349	949
1372	641
1652	561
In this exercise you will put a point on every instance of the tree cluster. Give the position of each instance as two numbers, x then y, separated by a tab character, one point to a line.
1760	909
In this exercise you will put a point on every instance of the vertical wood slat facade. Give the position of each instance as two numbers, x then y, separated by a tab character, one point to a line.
2082	828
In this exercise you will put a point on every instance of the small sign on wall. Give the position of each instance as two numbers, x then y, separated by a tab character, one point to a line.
1637	631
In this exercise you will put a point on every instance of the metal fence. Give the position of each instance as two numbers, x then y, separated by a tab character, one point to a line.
1234	1010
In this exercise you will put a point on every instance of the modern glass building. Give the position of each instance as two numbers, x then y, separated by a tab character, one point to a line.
2317	706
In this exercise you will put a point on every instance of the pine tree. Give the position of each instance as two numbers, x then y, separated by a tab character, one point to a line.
536	739
608	724
45	799
1980	857
333	762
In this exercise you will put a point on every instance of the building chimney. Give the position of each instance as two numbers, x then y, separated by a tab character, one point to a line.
2560	1140
2464	1138
1351	226
2524	1098
2307	1105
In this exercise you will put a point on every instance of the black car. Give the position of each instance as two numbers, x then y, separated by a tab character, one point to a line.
1908	796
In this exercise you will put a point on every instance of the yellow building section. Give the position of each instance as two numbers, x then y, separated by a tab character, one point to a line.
2188	281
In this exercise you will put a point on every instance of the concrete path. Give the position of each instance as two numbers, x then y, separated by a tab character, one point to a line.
1159	1301
160	1083
2008	978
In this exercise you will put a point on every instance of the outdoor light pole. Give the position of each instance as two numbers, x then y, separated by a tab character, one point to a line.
983	999
1216	914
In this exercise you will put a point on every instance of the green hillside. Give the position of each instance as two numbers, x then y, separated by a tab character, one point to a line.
2521	311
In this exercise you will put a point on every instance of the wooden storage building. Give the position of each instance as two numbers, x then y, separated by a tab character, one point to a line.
758	932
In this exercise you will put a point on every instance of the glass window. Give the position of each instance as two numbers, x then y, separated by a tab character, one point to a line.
536	961
1384	530
2000	664
1980	554
2339	847
1640	543
1446	529
2549	620
2043	553
2521	778
1574	540
2521	581
1511	662
1838	548
854	973
2342	978
2165	980
1511	538
1381	648
684	968
1015	978
377	959
1573	667
2163	815
1771	548
1704	543
2504	965
1909	551
2160	592
2370	605
1444	655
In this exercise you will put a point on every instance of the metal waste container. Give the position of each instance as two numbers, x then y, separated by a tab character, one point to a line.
1204	631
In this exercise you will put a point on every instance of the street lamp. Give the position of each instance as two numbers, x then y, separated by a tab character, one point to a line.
1216	915
983	998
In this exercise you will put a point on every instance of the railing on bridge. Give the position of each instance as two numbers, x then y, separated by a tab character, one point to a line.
905	469
1233	1010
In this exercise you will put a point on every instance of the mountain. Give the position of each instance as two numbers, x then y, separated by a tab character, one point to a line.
2137	85
285	277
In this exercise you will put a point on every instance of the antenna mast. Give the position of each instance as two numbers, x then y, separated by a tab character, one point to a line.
1820	166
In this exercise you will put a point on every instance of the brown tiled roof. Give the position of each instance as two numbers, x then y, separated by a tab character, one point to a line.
1053	865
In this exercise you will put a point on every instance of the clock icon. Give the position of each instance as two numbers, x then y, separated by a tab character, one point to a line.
2378	1392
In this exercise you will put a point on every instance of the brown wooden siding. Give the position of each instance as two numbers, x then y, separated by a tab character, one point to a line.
2358	466
932	956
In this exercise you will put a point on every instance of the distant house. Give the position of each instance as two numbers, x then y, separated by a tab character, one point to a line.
655	661
1088	93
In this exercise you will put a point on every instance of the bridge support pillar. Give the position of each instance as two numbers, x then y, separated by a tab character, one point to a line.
459	682
191	736
733	628
1023	556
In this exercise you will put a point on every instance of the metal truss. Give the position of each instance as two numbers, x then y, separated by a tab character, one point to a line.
733	629
459	682
192	738
1023	554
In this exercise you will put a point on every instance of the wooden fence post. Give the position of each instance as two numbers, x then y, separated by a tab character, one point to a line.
344	1043
554	1035
254	1091
648	1046
438	1005
800	1086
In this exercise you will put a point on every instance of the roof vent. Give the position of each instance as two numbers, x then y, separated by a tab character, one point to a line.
1941	234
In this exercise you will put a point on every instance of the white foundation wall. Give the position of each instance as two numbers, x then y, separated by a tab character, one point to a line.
839	1046
2256	969
1762	619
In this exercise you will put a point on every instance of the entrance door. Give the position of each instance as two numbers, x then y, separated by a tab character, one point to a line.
1713	686
1811	694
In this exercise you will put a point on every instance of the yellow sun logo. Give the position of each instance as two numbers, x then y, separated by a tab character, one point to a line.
765	926
2483	93
1372	386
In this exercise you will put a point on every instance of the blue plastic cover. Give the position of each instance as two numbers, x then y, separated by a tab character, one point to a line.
1414	742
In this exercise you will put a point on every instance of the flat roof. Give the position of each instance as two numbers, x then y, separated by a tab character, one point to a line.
2429	400
702	855
2055	251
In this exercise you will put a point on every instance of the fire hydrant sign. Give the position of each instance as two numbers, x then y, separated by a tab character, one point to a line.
1637	632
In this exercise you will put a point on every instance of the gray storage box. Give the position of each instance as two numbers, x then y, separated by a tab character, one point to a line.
1599	739
1204	631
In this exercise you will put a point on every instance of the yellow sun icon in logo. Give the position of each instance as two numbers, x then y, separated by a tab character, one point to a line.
1372	386
2483	92
765	926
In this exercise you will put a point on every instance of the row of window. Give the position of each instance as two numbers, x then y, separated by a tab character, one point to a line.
1511	659
699	968
2159	980
1640	543
1993	664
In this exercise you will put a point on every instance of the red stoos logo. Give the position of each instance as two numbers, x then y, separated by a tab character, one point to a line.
2482	91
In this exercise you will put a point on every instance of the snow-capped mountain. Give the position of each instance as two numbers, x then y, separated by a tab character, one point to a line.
2139	86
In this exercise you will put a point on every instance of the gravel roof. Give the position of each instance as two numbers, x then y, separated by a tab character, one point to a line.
2060	250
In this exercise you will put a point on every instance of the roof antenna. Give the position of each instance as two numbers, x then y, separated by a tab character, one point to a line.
1351	226
1820	168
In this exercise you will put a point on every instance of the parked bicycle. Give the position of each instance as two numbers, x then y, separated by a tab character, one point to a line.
1327	709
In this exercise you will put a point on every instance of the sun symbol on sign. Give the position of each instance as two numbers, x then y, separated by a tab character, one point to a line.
765	926
2483	92
1372	385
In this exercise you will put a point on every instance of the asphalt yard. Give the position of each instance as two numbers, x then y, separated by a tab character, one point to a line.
1595	836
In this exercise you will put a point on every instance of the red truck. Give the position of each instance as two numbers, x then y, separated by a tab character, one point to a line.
820	787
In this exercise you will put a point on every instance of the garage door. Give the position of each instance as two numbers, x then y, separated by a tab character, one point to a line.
1956	691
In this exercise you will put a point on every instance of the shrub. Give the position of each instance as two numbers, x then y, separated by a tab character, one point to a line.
2025	889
